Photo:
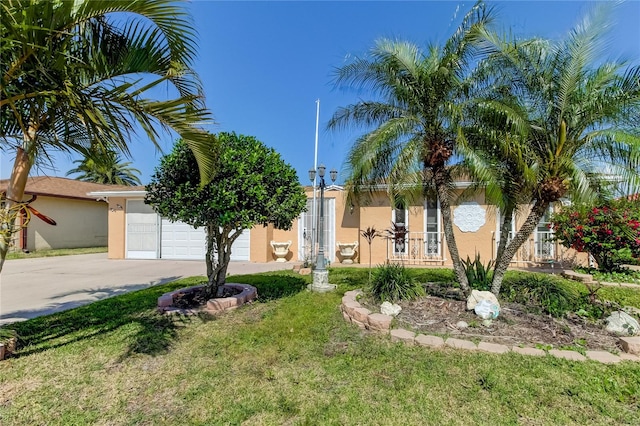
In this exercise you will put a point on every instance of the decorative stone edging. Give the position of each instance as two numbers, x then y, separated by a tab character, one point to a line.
588	279
354	312
8	347
247	294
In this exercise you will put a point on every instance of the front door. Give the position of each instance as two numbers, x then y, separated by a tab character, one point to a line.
308	228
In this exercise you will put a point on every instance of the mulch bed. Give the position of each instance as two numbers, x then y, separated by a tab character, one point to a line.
515	325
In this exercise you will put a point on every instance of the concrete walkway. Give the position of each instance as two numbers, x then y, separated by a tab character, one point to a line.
41	286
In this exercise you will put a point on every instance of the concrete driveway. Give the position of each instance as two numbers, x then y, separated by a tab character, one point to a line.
40	286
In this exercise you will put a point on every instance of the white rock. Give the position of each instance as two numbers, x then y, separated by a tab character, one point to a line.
487	310
461	325
487	323
388	308
622	323
477	295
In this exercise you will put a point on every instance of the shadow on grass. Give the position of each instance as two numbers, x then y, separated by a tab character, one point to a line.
154	332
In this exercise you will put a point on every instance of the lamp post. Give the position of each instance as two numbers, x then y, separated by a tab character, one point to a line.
320	273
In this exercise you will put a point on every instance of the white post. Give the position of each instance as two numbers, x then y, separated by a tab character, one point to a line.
314	218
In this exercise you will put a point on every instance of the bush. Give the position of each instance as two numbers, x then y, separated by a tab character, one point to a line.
392	282
611	234
542	292
272	286
478	275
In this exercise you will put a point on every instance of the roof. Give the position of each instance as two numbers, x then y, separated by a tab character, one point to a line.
51	186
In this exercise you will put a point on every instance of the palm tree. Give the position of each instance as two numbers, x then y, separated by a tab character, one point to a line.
78	75
414	134
573	119
106	168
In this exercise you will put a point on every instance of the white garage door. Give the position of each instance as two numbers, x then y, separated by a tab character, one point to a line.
181	241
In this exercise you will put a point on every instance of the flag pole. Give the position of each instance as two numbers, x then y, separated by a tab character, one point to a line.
314	218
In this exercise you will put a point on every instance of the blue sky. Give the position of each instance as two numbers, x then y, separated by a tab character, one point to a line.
264	64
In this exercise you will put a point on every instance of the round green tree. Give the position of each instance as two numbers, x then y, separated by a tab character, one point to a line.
252	185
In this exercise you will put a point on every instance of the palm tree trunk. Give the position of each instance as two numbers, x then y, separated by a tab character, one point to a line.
502	263
505	228
15	193
447	222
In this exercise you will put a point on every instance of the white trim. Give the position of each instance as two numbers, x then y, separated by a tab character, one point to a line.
127	194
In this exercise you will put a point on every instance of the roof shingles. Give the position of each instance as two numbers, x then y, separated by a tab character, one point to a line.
51	186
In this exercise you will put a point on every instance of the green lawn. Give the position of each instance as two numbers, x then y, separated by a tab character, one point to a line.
289	360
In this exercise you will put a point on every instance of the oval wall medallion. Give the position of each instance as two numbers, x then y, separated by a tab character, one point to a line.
469	216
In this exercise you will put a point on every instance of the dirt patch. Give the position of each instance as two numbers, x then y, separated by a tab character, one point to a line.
515	326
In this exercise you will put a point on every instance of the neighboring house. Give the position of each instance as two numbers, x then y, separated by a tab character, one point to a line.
81	220
136	231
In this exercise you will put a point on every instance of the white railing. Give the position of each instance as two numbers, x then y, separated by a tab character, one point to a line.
539	249
416	247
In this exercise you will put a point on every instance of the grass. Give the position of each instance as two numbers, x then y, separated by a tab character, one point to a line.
289	360
55	252
623	276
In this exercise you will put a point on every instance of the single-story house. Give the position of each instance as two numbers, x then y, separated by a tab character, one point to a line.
136	231
81	219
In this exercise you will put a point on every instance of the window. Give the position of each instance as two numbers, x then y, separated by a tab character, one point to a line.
543	235
400	219
432	240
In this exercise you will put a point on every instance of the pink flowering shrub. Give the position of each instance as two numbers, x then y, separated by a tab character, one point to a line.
610	233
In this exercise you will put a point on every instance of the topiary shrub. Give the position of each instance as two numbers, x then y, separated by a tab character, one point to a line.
392	282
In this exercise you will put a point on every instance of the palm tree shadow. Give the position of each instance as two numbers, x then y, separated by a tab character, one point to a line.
154	336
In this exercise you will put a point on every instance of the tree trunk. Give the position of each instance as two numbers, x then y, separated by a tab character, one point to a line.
447	222
502	263
223	239
15	193
211	251
505	228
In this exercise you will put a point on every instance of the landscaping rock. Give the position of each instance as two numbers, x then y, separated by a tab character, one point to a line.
631	267
487	309
388	308
402	335
603	357
461	325
305	271
570	355
577	276
379	322
630	345
487	323
431	341
632	311
622	323
477	296
460	344
493	348
528	351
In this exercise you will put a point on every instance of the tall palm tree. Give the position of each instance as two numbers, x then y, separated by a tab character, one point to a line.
414	122
574	118
106	168
81	74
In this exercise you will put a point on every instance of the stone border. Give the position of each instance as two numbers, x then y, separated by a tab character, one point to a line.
588	279
355	313
247	294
